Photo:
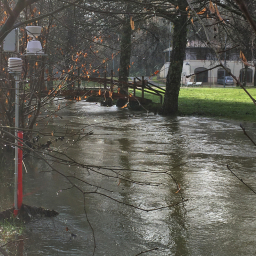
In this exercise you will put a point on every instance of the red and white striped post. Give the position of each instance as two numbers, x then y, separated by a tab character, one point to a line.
20	157
18	190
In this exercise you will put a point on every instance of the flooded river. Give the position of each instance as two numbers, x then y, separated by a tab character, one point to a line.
145	161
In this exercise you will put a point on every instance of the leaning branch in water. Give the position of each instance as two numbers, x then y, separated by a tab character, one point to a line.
150	250
240	179
247	135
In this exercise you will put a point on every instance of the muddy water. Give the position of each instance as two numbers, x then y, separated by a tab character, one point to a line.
153	154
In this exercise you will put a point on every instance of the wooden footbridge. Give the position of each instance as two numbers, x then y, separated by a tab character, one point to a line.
138	90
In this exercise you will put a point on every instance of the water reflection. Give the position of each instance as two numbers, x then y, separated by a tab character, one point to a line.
193	151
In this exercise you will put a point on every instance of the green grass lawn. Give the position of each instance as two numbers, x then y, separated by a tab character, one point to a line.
231	103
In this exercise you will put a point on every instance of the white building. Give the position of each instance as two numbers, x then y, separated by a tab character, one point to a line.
200	58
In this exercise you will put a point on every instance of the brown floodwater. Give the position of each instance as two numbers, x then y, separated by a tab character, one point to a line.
139	159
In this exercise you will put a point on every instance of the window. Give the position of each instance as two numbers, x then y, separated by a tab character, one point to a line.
221	72
200	53
201	74
246	75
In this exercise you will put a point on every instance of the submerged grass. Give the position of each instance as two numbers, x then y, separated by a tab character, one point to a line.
10	228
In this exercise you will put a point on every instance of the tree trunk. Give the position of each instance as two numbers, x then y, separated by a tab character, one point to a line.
70	47
173	79
50	75
6	28
254	77
125	54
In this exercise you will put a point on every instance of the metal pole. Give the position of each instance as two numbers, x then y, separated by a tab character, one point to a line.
16	143
15	67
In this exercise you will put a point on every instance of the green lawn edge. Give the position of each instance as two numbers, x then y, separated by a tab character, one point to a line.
228	103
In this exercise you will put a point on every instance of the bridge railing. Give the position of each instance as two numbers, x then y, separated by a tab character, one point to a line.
139	86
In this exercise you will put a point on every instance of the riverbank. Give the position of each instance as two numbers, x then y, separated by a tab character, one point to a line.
228	103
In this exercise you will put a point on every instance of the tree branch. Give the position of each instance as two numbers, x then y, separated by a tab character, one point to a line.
246	134
245	11
240	180
7	7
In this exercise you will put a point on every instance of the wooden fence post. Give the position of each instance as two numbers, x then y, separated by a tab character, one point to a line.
134	86
105	80
111	81
143	86
78	78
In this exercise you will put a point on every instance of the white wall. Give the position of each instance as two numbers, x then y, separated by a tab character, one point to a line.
189	67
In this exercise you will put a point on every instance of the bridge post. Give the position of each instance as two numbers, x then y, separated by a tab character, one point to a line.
143	86
105	80
78	78
111	80
134	86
